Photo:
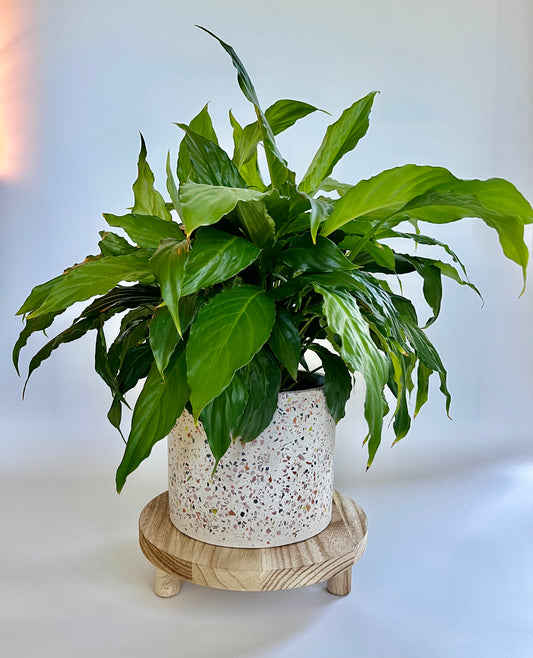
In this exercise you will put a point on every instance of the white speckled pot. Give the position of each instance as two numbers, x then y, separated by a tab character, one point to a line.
272	491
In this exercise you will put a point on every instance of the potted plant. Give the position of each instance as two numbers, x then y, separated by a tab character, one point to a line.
229	283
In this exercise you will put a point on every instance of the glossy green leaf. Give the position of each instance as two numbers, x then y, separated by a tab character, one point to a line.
285	341
38	295
112	244
133	332
123	297
422	388
340	138
203	126
225	335
256	221
214	257
360	352
93	278
203	205
144	230
210	164
276	164
221	416
495	201
163	337
385	194
168	264
101	361
324	256
263	379
249	170
337	381
158	406
148	201
281	115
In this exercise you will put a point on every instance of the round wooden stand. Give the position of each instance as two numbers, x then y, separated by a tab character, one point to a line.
329	555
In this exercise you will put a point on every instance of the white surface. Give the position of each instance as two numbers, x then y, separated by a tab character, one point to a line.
448	567
447	574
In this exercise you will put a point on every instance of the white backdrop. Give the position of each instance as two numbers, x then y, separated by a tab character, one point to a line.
456	82
78	80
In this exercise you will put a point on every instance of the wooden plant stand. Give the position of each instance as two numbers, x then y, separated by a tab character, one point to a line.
329	555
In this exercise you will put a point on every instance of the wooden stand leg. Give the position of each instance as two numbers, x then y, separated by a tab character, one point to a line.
166	584
341	584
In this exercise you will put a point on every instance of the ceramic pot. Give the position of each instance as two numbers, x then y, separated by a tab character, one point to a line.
272	491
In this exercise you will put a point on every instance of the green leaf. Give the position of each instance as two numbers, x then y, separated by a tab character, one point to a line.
361	353
263	379
340	138
276	164
163	337
32	325
385	194
168	264
337	381
158	406
495	201
210	164
93	278
133	330
331	185
221	416
148	201
123	297
38	295
112	244
324	256
135	366
256	221
249	170
214	257
281	115
145	230
285	341
203	205
203	126
422	390
225	335
101	361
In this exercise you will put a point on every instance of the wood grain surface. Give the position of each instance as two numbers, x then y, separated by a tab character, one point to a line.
327	556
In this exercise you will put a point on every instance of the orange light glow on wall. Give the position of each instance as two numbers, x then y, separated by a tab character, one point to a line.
15	55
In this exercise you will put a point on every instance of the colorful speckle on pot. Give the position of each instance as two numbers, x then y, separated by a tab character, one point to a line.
272	491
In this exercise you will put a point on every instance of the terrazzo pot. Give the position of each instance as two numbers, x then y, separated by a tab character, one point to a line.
272	491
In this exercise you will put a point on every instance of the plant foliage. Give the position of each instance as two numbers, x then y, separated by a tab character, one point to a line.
237	275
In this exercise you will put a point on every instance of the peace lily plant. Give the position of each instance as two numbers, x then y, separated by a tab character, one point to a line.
232	279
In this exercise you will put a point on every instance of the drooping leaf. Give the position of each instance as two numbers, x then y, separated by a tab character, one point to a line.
163	337
210	165
337	381
340	138
221	416
101	362
78	329
495	201
38	295
32	325
133	331
263	379
148	201
158	406
324	256
285	341
123	297
225	335
145	230
422	388
93	278
203	205
385	194
360	352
